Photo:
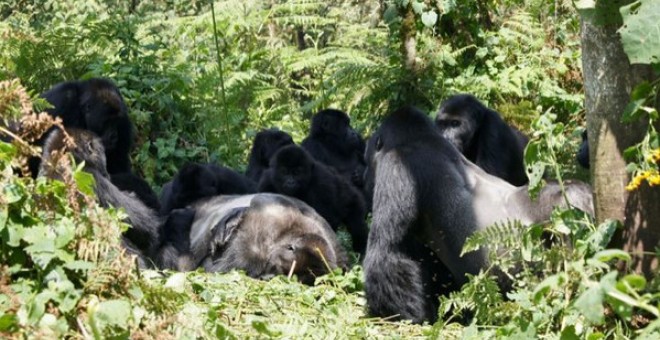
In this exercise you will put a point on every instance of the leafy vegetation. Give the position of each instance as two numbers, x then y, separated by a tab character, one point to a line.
201	78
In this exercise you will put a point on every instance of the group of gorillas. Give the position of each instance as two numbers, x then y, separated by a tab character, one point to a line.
429	185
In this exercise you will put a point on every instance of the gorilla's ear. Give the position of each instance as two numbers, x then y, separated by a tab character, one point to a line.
223	231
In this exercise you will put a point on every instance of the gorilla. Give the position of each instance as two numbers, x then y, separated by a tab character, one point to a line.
334	143
130	182
95	105
429	196
264	235
294	173
144	239
266	143
483	137
583	153
195	181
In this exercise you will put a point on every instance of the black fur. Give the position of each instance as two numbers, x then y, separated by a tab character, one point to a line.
95	105
195	181
264	235
130	182
144	238
266	143
294	173
333	142
428	198
483	137
583	153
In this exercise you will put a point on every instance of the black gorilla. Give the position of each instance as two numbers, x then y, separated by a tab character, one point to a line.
195	181
130	182
428	196
294	173
95	105
483	137
266	143
583	152
334	143
264	235
144	239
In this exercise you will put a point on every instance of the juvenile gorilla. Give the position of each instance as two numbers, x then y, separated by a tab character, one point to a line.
483	137
428	196
95	105
266	143
264	235
294	173
144	238
334	143
195	181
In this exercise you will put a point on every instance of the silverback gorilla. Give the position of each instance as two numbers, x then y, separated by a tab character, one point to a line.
426	194
483	137
264	235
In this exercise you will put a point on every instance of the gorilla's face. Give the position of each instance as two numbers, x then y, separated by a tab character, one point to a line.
103	108
458	129
293	169
300	255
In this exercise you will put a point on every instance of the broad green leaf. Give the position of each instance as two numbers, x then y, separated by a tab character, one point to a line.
113	313
590	304
84	181
611	254
640	32
418	7
429	18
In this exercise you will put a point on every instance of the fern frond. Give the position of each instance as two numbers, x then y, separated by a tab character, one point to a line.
507	233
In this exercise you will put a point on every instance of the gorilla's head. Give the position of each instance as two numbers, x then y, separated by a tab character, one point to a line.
292	170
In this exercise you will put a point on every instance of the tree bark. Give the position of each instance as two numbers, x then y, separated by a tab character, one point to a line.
608	81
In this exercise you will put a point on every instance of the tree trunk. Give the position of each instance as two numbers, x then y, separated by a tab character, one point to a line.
608	81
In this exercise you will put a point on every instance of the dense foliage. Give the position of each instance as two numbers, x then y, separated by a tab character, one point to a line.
201	78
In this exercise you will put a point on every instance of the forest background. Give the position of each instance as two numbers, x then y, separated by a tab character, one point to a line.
201	78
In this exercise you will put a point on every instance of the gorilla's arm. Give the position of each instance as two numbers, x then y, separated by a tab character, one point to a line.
393	280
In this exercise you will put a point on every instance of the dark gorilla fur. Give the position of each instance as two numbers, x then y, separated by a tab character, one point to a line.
428	199
294	173
95	105
264	235
195	181
333	142
144	238
266	143
583	153
130	182
483	137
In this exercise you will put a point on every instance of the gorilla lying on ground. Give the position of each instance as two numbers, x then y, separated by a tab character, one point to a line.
333	142
195	181
95	105
426	194
264	235
294	173
266	143
483	137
